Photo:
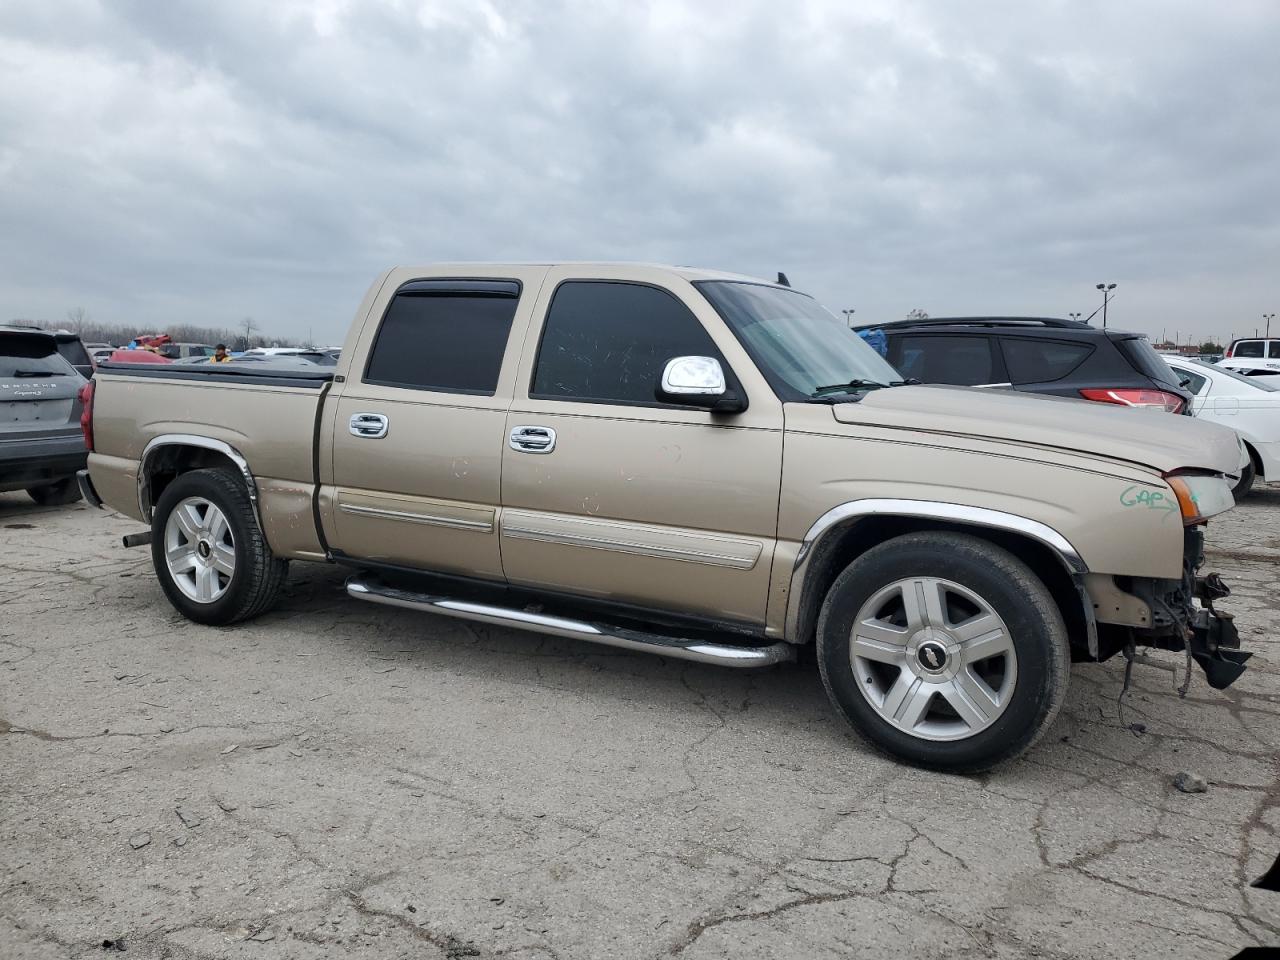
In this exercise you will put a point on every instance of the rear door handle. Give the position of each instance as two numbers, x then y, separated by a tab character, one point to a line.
370	426
532	439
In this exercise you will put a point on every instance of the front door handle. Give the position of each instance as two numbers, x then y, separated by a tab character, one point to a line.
370	426
530	439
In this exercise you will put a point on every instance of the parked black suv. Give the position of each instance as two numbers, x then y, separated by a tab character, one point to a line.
1066	358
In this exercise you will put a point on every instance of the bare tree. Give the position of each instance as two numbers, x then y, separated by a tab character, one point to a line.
77	317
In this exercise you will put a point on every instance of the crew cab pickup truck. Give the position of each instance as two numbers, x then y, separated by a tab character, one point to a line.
692	463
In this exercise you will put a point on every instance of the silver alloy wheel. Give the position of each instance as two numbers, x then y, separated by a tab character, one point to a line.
199	549
933	658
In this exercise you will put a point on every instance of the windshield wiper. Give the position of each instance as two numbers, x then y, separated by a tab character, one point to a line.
854	386
39	373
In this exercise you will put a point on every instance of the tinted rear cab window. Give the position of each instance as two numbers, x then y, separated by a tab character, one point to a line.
447	336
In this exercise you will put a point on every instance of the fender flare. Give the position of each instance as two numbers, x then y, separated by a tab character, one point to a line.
846	514
155	444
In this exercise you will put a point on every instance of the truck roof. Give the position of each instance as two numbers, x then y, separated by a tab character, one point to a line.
686	272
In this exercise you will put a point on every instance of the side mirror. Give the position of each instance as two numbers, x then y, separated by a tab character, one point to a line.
698	382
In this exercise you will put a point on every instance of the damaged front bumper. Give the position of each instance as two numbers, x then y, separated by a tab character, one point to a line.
1184	619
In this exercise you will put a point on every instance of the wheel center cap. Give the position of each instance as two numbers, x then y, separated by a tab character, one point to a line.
932	656
204	550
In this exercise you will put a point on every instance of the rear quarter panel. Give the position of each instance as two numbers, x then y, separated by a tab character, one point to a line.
272	427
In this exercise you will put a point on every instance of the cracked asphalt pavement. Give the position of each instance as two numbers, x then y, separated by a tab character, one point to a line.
337	777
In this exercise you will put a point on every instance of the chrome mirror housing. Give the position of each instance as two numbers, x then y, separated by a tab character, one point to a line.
693	377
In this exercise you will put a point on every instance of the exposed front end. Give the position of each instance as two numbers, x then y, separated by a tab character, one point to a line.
1182	616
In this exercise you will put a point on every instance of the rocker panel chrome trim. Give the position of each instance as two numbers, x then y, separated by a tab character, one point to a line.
698	651
856	510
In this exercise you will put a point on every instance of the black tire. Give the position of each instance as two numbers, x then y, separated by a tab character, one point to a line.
1245	484
1010	589
55	494
259	574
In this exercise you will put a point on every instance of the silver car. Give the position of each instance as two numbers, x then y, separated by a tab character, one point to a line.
41	443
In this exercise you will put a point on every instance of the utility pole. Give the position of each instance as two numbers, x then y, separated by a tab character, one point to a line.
248	332
1106	289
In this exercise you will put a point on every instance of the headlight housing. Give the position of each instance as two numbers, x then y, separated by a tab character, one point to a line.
1200	495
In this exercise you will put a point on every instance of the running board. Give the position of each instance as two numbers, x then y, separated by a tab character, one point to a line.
698	650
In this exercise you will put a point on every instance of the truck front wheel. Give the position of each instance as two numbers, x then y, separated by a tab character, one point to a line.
944	650
210	556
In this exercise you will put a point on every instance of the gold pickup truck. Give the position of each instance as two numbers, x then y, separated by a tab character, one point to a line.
693	463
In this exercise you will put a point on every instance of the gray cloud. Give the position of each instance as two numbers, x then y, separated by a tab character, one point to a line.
204	162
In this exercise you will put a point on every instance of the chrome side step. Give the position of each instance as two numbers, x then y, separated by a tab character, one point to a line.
724	654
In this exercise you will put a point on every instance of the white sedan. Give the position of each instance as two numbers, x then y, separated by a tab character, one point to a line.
1248	405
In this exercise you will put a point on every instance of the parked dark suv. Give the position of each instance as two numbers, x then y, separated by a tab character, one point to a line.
41	443
1066	358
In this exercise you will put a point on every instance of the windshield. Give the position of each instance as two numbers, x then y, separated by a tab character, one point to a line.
802	349
32	356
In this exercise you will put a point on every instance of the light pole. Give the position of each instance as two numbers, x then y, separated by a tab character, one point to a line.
1268	317
848	316
1074	316
1106	289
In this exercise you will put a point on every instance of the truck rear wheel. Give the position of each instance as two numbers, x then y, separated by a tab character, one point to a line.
210	556
944	650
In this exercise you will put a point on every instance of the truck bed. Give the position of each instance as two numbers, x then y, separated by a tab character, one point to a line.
270	416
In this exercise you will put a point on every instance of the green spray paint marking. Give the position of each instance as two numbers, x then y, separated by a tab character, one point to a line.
1136	496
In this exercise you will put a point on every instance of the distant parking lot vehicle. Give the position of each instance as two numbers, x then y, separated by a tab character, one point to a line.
1251	367
690	463
41	445
136	356
1259	352
1064	358
1248	405
186	351
320	357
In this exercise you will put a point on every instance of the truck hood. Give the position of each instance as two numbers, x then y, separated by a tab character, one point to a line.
1152	438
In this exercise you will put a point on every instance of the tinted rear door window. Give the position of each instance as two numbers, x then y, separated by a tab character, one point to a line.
1248	348
607	342
1032	360
444	336
945	358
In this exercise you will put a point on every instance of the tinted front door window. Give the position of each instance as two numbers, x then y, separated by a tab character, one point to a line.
608	342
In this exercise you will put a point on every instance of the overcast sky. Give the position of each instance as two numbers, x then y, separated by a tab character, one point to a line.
170	161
